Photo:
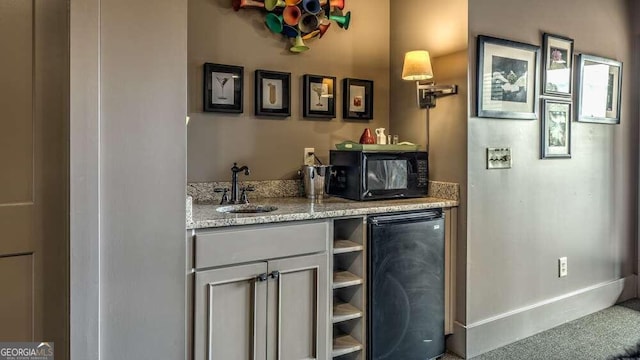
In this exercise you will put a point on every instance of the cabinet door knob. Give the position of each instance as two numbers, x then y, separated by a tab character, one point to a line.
261	277
275	275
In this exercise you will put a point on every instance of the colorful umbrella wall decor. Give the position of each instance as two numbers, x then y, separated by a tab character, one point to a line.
299	20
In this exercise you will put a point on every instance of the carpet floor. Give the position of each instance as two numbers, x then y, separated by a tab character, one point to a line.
604	335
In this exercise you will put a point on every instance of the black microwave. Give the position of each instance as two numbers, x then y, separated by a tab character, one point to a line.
375	175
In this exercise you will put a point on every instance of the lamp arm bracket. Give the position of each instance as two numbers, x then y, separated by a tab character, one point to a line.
428	92
438	90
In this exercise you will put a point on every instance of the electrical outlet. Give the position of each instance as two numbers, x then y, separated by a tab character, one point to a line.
308	157
562	267
499	158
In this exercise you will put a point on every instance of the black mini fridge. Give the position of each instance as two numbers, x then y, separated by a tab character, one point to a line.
406	286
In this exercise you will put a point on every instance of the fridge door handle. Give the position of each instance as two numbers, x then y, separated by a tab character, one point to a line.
426	215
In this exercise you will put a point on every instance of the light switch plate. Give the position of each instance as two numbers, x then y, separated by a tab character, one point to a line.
499	158
308	158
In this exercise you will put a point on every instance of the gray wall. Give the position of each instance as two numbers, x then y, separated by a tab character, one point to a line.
520	221
133	78
273	148
447	44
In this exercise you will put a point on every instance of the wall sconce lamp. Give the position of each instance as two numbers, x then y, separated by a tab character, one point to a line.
417	67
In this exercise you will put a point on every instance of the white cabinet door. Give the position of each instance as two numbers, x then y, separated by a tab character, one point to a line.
230	313
298	315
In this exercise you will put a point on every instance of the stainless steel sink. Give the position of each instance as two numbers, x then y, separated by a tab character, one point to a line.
247	209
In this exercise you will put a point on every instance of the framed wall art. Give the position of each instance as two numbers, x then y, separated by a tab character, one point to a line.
555	131
507	79
223	88
272	93
558	65
357	99
599	90
319	96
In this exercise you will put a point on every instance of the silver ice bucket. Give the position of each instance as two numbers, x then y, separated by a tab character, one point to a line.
316	180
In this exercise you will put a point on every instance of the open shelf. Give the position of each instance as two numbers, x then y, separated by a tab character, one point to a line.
349	288
344	278
345	344
345	246
345	311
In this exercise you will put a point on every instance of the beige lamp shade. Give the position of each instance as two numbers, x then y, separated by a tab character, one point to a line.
417	66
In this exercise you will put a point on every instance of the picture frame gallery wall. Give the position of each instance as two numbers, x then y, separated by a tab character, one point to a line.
513	83
223	92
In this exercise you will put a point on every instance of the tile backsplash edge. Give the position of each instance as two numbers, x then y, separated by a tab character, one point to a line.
444	190
203	192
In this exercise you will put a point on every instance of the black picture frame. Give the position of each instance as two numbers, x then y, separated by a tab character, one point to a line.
557	73
508	76
357	99
319	96
272	93
218	94
555	129
599	90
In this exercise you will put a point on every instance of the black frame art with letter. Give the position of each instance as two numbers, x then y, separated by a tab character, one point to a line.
555	139
557	74
223	88
319	96
599	90
357	99
507	79
272	93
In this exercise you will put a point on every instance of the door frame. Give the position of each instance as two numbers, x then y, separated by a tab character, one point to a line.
84	165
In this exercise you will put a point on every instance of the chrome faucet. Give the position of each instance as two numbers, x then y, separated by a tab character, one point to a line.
235	192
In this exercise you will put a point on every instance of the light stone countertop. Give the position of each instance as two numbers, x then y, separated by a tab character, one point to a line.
299	208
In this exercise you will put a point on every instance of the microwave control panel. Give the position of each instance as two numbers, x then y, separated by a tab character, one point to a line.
423	172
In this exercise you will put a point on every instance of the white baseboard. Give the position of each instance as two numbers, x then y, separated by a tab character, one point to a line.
492	333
